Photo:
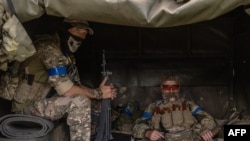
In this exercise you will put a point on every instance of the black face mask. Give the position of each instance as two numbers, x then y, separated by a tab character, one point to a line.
69	42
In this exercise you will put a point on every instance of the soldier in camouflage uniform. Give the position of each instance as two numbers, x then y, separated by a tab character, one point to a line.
52	67
174	118
126	117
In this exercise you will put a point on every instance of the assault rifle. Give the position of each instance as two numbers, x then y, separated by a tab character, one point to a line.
104	125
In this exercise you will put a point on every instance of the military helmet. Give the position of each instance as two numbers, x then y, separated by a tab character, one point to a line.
79	23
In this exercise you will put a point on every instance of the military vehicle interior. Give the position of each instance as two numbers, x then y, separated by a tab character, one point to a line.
211	57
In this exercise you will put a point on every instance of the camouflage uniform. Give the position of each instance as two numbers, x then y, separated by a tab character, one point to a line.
35	84
180	120
124	117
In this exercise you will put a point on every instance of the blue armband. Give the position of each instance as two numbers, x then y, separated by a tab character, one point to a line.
146	115
59	70
196	110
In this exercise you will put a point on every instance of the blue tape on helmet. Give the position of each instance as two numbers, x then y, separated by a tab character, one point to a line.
146	115
197	109
59	70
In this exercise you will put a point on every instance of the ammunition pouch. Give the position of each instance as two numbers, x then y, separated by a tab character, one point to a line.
185	135
27	93
167	120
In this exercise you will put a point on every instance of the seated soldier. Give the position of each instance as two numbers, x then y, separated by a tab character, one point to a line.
173	118
49	83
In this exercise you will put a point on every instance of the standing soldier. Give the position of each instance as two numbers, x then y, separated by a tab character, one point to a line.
173	118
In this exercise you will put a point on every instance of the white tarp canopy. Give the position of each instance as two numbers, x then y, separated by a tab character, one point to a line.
140	13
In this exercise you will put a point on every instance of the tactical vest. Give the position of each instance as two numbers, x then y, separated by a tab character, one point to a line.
33	83
173	116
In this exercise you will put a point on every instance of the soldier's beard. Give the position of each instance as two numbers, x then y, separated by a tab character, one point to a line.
170	96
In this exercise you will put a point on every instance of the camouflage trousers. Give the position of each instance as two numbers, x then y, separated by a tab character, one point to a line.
76	108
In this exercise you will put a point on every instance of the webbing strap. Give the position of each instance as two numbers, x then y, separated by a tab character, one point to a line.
12	9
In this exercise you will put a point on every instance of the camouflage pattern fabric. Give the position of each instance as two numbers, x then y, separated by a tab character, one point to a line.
8	85
124	124
185	135
9	81
15	43
35	84
124	117
173	117
52	56
26	94
95	115
76	108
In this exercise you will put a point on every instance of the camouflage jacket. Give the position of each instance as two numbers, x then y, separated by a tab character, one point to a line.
35	80
173	117
52	57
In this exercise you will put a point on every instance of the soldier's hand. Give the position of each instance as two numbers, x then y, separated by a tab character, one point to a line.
206	135
108	91
154	135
